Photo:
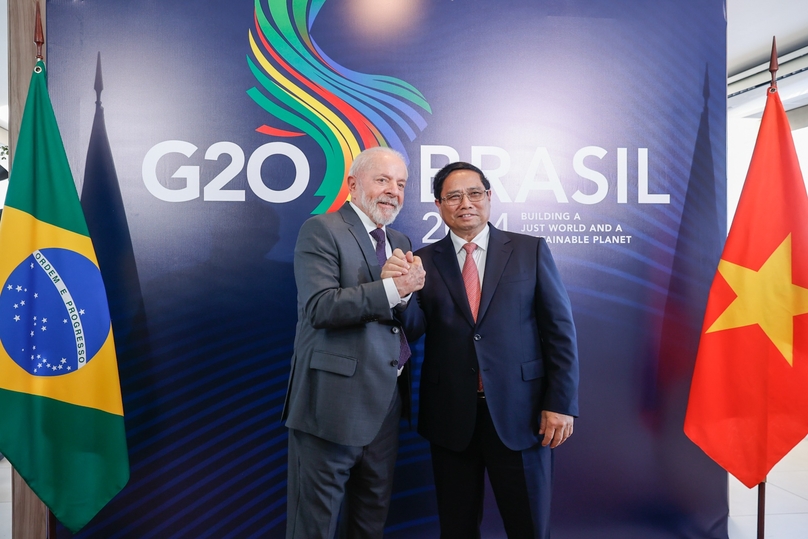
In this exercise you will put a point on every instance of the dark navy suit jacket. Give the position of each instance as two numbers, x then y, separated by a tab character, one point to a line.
523	343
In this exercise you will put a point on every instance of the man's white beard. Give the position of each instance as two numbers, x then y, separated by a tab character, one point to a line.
376	214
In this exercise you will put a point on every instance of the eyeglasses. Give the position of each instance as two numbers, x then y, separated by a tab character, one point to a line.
454	199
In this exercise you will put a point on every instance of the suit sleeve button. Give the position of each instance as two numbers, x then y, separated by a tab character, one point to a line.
395	329
477	337
394	363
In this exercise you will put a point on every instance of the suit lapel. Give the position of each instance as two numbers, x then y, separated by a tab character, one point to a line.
499	252
449	270
362	238
397	240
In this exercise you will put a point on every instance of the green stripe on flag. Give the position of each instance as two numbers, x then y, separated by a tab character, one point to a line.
46	199
81	454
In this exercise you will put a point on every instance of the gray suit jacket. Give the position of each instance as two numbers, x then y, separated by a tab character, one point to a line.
347	344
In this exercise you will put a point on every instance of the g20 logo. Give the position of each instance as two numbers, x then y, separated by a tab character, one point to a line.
215	189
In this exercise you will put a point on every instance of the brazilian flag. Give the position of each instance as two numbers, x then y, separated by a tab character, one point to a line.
61	415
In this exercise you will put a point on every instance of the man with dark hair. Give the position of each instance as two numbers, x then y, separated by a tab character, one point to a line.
347	387
499	382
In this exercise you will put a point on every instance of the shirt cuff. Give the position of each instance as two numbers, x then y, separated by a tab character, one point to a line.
392	293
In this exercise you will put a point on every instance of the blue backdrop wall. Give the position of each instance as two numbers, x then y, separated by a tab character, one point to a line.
221	126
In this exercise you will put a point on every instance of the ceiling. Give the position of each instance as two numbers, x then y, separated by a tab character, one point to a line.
751	24
750	27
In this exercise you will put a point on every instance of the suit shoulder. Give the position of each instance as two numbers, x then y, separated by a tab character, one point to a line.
325	220
523	239
319	230
425	249
392	232
428	250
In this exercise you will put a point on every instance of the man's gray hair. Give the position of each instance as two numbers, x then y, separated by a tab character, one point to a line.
363	160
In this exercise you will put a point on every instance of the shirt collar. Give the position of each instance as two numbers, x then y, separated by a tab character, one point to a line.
480	239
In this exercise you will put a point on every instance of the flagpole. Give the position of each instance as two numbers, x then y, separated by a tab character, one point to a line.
761	508
39	39
761	522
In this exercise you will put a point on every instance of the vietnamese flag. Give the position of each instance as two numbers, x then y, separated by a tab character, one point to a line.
748	402
62	425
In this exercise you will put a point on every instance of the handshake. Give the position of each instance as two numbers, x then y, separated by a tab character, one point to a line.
406	270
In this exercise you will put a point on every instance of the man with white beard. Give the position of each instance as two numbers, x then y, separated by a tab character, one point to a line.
349	381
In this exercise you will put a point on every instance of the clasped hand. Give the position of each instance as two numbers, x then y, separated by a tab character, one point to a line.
406	270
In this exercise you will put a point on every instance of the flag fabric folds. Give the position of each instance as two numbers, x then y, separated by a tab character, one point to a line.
61	414
748	403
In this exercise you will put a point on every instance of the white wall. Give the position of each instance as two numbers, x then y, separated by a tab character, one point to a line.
741	136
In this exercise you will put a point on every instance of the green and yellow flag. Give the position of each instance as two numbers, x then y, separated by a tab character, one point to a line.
61	415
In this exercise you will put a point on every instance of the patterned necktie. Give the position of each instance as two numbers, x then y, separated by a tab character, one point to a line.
404	352
471	278
381	241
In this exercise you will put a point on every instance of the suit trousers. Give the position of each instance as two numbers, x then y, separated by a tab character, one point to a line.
325	478
521	481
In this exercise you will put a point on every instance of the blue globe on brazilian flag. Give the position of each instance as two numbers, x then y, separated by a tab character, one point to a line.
60	318
62	424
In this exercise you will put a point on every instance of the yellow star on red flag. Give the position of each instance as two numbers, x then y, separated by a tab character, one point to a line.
766	297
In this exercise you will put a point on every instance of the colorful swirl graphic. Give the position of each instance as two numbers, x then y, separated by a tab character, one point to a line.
344	111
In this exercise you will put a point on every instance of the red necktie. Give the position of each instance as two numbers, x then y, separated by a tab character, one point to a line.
471	278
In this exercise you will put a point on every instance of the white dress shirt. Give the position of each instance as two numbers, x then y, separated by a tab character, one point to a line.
479	254
393	297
